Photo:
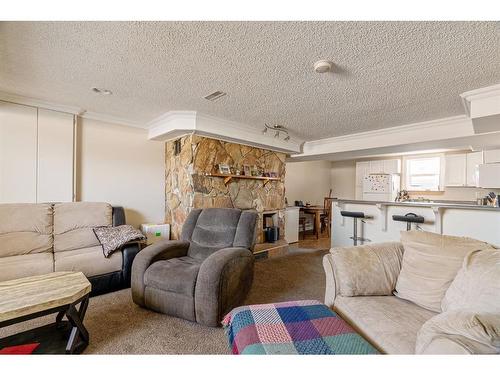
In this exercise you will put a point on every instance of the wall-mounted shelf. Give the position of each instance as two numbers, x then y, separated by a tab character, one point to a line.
229	177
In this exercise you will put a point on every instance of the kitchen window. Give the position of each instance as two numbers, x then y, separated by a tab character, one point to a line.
423	173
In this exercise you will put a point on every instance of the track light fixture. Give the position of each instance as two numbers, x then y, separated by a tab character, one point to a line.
278	129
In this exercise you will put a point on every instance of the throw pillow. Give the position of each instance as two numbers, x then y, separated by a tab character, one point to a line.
368	270
430	263
112	238
469	332
477	284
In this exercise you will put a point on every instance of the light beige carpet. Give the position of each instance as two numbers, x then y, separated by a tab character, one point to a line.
118	326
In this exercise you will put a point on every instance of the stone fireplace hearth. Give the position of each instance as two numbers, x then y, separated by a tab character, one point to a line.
190	162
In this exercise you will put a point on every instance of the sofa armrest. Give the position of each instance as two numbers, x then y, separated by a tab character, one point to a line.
331	285
460	332
224	279
129	252
161	250
368	270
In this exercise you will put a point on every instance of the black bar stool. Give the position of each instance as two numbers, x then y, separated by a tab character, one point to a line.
355	215
409	218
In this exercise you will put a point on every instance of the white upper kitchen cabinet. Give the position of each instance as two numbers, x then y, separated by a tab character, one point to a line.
377	166
362	170
455	170
491	156
392	166
55	156
474	160
18	148
489	176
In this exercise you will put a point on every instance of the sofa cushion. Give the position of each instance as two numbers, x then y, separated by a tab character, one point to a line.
368	269
73	223
25	228
477	284
475	333
430	263
19	266
177	275
89	260
388	322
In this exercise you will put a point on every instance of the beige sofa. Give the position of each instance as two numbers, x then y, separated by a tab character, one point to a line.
360	286
40	238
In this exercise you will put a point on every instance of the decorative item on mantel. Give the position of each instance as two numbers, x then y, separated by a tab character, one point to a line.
224	169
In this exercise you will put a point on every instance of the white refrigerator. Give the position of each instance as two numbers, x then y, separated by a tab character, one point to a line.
381	187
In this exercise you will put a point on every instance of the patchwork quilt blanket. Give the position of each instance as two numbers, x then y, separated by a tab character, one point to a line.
297	327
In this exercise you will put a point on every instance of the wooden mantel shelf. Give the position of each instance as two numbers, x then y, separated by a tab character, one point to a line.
229	177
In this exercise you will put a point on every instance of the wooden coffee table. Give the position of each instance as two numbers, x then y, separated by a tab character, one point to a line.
35	296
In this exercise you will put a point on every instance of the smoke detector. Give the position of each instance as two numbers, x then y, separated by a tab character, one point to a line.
323	66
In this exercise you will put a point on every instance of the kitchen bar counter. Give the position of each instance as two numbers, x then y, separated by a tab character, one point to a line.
468	206
452	218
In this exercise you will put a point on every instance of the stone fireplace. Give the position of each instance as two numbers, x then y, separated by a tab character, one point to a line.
190	164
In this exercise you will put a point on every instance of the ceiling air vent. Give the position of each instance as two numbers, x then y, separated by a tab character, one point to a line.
215	95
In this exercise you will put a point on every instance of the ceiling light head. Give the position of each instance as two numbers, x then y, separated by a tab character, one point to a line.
323	66
101	91
287	138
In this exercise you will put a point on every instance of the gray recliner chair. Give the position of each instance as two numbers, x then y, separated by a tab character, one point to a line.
203	275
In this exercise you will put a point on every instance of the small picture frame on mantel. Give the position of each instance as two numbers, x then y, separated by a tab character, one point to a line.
224	169
247	171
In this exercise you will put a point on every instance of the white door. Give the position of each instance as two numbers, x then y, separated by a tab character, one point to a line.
18	146
474	160
455	171
55	156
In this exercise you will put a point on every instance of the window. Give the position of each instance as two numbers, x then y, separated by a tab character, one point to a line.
423	173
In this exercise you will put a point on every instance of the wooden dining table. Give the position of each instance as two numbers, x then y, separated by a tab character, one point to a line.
316	211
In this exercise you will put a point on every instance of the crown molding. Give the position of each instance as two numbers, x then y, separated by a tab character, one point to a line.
488	92
110	119
33	102
174	124
428	131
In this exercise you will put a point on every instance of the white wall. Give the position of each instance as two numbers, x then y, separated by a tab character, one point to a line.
307	181
119	165
343	179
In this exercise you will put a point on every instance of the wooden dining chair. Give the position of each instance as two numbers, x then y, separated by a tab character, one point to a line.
326	216
302	224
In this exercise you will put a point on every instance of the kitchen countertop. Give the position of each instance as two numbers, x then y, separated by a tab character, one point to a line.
467	206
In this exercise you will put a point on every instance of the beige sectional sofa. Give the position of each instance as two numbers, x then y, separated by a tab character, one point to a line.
399	297
40	238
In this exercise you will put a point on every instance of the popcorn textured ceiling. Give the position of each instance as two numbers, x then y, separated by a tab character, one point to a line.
386	73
